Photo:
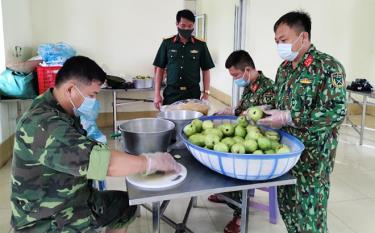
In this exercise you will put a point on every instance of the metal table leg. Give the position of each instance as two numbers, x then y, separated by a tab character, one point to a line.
179	227
114	102
156	217
244	211
363	119
195	202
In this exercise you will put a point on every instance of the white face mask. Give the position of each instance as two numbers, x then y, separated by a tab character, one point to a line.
285	50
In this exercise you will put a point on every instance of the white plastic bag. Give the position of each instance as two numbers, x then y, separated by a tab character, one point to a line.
202	106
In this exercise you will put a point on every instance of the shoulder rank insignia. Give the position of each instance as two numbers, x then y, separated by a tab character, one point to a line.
337	79
254	87
308	60
305	81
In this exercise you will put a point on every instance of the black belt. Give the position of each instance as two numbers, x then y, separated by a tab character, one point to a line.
184	88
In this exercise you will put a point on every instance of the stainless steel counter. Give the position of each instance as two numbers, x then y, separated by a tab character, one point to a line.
199	181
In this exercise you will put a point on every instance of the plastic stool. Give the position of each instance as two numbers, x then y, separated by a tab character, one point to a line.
272	207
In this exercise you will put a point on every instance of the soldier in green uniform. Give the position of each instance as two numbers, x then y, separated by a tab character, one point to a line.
258	90
310	104
54	161
182	56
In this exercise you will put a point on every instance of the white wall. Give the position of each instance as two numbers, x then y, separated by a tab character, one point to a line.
220	38
16	23
17	27
121	35
343	30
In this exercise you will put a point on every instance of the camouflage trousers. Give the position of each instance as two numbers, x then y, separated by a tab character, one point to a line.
108	209
303	206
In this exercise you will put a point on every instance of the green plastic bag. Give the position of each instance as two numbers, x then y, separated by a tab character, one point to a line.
17	84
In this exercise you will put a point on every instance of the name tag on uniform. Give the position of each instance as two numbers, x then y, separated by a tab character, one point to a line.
194	51
305	81
173	51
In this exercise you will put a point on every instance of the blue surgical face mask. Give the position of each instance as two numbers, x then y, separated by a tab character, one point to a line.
89	108
242	82
285	50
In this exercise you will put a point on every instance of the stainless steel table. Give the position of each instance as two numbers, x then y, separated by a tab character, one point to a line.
116	101
199	181
364	103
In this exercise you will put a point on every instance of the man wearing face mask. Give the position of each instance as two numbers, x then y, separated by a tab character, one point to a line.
183	56
55	162
310	104
258	89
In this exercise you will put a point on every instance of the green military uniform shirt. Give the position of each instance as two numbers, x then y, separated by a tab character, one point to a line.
315	94
52	162
260	92
183	63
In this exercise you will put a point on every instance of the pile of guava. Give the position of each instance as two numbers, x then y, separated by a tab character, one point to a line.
239	137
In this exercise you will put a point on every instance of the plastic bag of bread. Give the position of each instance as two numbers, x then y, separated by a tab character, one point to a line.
189	104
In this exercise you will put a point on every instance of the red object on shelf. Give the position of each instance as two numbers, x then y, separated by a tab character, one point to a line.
46	77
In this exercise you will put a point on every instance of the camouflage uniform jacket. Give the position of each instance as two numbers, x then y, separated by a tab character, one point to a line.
260	92
52	162
314	92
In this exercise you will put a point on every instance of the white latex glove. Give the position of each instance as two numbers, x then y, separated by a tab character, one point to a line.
277	119
161	161
265	107
225	111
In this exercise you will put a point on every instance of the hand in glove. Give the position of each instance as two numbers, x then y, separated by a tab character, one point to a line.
160	161
276	118
225	111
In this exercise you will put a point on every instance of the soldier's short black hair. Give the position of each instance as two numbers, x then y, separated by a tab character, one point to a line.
239	59
82	69
298	20
187	14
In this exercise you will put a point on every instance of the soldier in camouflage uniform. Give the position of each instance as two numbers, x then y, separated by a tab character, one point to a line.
310	103
54	162
258	90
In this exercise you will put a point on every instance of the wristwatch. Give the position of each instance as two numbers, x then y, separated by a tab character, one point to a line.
206	92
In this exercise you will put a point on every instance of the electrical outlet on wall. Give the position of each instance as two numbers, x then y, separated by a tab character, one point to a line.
21	53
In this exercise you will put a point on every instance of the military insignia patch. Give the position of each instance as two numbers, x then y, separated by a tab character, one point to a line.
305	81
254	87
308	60
337	79
194	51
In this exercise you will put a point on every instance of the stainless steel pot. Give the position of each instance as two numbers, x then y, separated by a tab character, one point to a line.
146	135
179	118
143	83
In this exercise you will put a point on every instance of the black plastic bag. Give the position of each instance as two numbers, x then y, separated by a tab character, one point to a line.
361	85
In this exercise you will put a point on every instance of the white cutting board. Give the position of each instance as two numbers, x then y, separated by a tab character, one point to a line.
158	181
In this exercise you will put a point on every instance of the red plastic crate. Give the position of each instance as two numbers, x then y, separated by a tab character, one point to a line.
46	77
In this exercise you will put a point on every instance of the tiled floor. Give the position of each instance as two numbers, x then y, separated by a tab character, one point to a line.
351	205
